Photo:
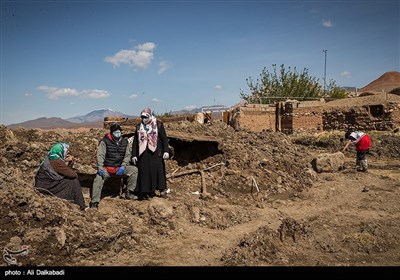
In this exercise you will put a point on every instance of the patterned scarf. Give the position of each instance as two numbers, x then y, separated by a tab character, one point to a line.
148	132
58	151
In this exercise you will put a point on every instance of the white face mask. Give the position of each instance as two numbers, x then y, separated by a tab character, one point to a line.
146	120
117	134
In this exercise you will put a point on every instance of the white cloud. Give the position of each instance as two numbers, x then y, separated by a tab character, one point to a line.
327	23
218	87
189	107
155	100
133	96
55	93
345	74
163	66
94	93
28	94
147	47
138	58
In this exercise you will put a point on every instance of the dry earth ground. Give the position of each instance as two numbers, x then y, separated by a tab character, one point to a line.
298	217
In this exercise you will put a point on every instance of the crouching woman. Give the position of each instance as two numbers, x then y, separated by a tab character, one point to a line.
55	176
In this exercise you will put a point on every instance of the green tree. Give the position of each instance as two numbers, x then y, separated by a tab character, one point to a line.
335	92
274	86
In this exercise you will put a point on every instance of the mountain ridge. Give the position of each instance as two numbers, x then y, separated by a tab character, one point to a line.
385	83
96	116
93	119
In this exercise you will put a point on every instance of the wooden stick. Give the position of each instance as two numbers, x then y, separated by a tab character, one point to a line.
175	171
203	188
169	177
254	183
187	172
215	165
191	171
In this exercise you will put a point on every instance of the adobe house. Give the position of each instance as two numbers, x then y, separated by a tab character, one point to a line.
294	115
254	117
372	112
283	116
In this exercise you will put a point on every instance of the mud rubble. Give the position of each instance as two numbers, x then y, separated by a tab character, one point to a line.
264	204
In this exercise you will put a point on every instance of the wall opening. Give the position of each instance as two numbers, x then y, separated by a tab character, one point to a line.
193	151
376	110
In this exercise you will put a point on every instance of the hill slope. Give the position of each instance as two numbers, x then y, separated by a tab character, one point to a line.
385	83
43	123
53	122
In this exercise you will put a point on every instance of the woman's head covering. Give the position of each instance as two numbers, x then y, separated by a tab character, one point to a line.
148	133
146	115
146	112
58	151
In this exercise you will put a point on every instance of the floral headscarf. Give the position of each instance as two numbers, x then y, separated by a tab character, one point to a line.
58	151
148	132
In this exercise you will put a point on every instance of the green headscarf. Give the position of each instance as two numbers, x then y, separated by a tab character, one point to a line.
58	151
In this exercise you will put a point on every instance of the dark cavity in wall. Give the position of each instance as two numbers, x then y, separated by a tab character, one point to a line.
187	152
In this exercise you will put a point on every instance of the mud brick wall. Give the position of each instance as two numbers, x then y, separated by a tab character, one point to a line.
307	118
257	119
313	103
395	114
301	118
361	119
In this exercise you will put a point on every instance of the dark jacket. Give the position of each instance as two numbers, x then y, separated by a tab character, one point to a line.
115	151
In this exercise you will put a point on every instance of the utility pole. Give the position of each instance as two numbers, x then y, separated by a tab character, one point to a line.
325	51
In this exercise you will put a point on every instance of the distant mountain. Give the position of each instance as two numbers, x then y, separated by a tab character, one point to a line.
44	123
93	119
348	88
97	116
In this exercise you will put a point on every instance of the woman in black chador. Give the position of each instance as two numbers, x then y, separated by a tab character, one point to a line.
149	150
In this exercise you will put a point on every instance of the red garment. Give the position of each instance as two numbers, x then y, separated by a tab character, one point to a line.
364	143
111	169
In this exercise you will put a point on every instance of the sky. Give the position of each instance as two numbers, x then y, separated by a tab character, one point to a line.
68	58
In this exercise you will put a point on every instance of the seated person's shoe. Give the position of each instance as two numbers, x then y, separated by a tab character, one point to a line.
131	196
146	196
94	205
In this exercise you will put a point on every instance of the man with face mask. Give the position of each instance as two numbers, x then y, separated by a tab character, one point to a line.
113	158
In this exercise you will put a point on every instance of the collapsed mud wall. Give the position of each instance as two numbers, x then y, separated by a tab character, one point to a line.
254	117
373	117
395	114
365	113
284	116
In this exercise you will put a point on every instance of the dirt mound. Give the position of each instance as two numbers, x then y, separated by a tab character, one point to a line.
385	83
265	205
